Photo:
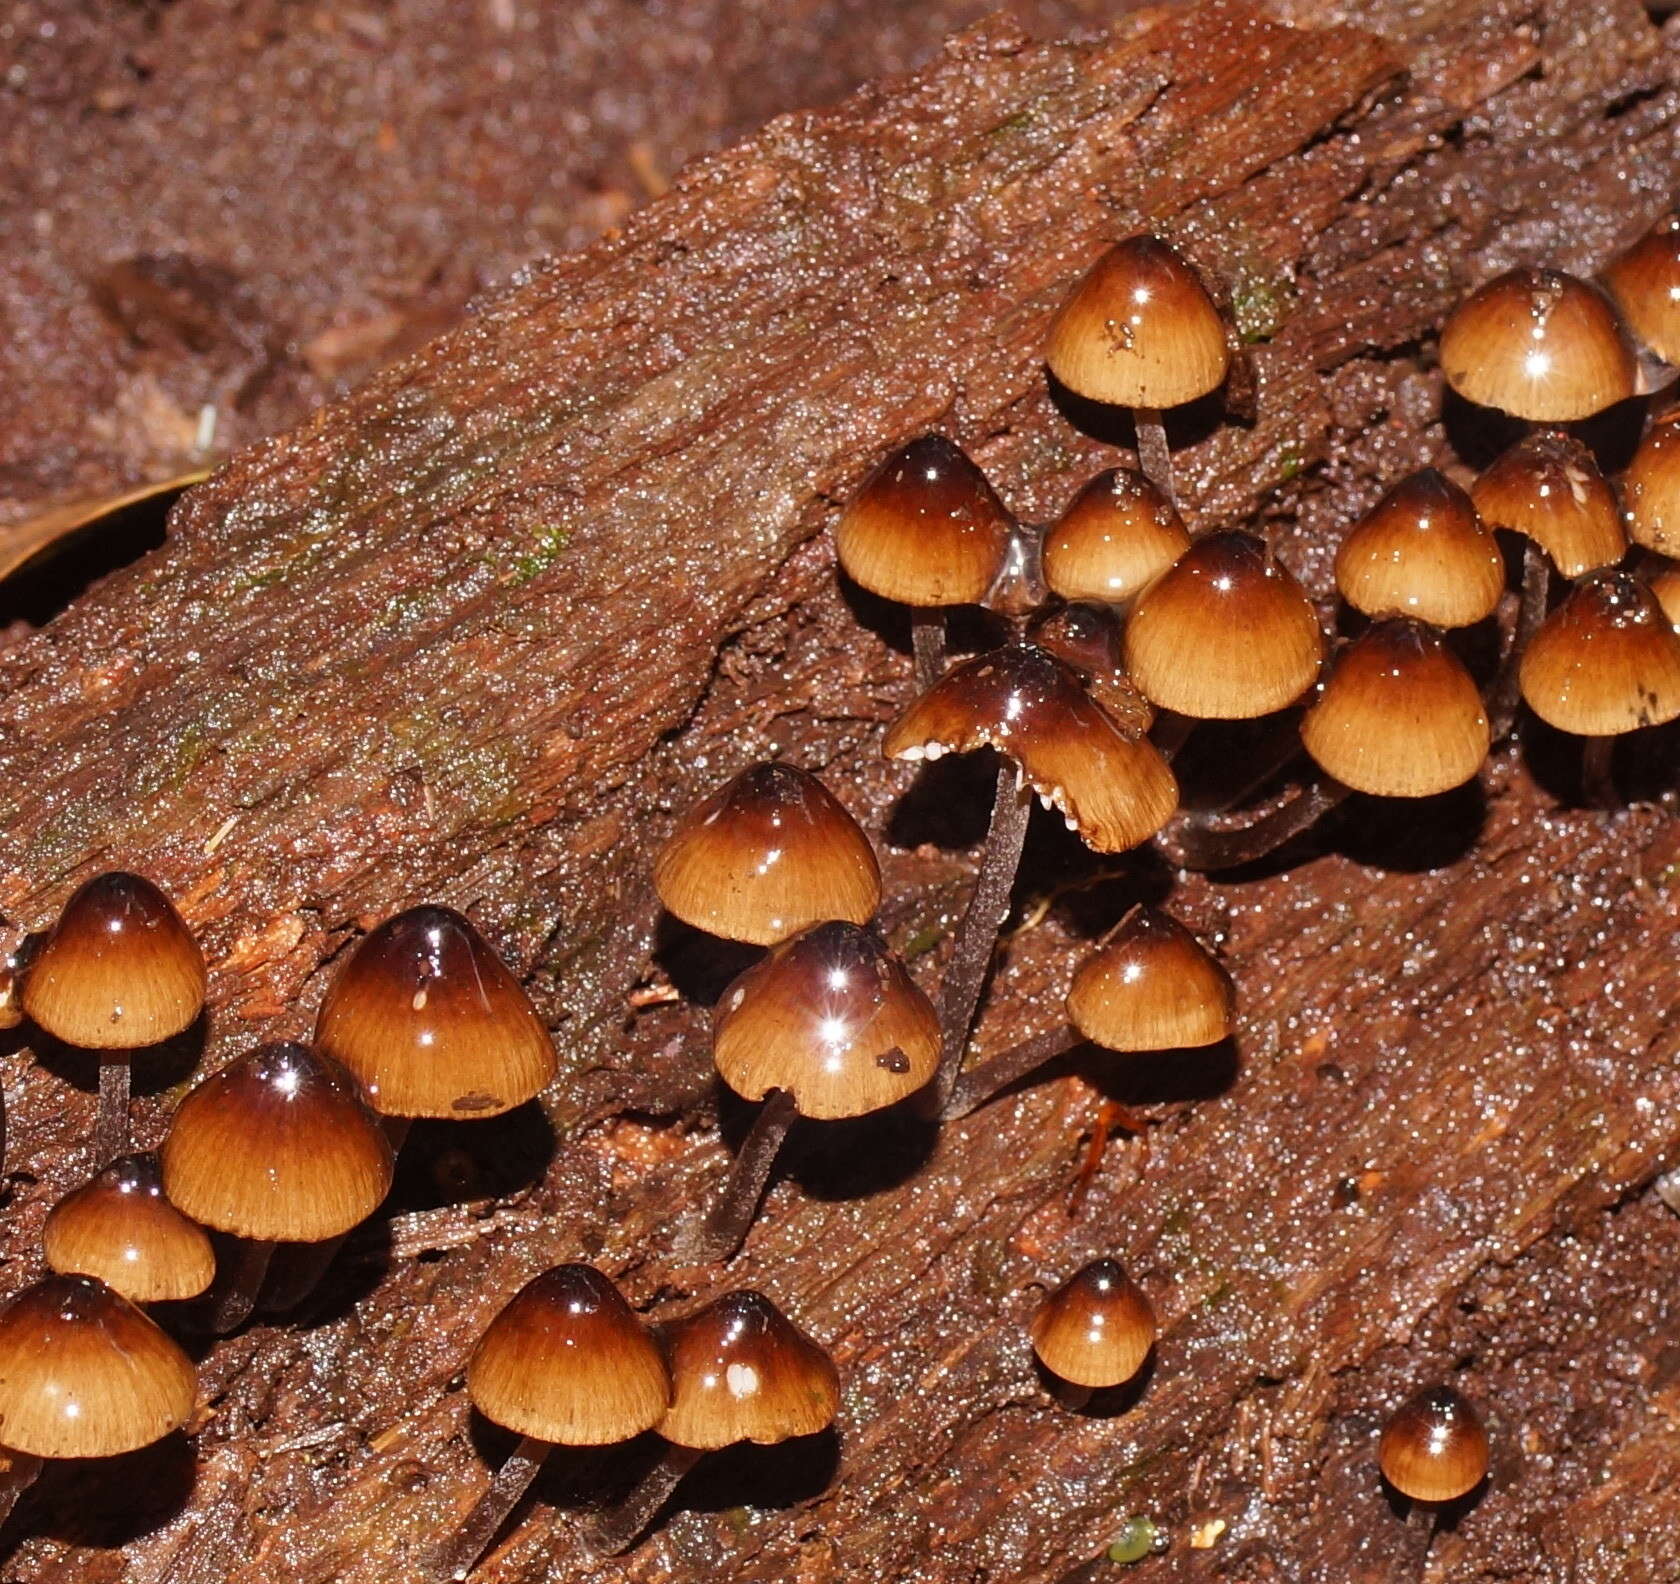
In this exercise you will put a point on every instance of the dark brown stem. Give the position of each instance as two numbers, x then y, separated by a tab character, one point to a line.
1194	841
239	1297
1506	692
992	1077
927	642
1598	775
459	1554
18	1471
1153	456
1073	1398
110	1133
618	1529
727	1225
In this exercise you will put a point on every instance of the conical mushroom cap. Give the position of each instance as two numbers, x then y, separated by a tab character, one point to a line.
1651	487
121	1229
1434	1449
1119	534
568	1361
765	856
1139	330
1114	790
1086	636
1422	551
279	1147
1096	1329
1399	715
743	1371
1538	344
84	1374
1549	488
1606	661
1645	281
832	1017
926	528
431	1023
118	971
1226	634
1151	985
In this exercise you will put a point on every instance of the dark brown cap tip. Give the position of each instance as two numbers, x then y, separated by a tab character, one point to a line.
1548	488
1435	1448
1651	487
1119	534
1151	985
1645	281
1096	1329
121	1229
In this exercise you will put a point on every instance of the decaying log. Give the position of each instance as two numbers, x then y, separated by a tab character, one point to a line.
477	632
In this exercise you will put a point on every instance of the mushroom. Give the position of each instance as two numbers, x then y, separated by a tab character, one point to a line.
1645	281
1086	636
1435	1448
1651	487
1117	536
1094	1331
1664	579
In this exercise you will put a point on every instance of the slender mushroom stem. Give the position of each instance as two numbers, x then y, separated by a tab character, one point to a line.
1598	777
1193	842
110	1133
727	1225
616	1530
1506	691
992	1077
18	1471
927	641
1153	456
457	1556
233	1308
1073	1398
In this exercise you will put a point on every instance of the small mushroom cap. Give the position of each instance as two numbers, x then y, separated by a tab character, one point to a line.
1151	985
1422	551
743	1371
1096	1329
279	1147
429	1020
832	1017
1434	1449
1115	790
1538	344
1399	716
1549	488
1606	661
1645	281
568	1361
1139	330
1119	534
122	1229
1226	634
926	528
11	1012
1651	487
1665	584
118	971
83	1373
765	856
1087	636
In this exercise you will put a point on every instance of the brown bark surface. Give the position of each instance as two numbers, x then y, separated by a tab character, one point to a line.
476	633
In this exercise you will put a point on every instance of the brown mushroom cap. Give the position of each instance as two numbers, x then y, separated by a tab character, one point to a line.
83	1373
1225	634
1434	1449
1645	281
427	1017
278	1147
1087	636
1651	487
1139	330
1549	488
1422	551
1399	716
1606	661
122	1229
1116	791
568	1361
1119	534
1538	344
118	971
1665	584
1151	985
742	1371
1096	1329
11	1012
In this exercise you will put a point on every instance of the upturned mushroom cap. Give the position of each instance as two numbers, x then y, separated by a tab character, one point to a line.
1398	716
768	854
1225	634
1116	791
1434	1449
1151	985
1538	344
122	1229
1139	330
1606	661
832	1017
279	1147
1119	534
1422	551
1651	487
926	528
1087	636
1549	488
742	1371
429	1020
568	1361
119	970
83	1373
1665	584
1096	1329
1645	281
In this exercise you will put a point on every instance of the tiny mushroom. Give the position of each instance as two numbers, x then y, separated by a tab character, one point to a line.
1548	488
1094	1331
1645	281
1119	534
1651	487
1435	1448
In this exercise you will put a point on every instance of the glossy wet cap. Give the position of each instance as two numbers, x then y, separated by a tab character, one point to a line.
118	971
1116	791
1538	344
1549	488
1139	330
432	1024
1434	1449
1651	487
743	1371
1606	661
1665	584
1096	1329
1422	551
569	1361
83	1373
1225	634
279	1147
1645	281
122	1228
1088	637
1118	535
1151	985
1398	716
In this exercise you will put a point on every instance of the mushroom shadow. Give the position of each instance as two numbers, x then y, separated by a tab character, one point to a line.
700	966
769	1477
1408	835
1105	1402
444	1163
356	1271
1186	425
108	1502
947	806
153	1068
1447	1515
1163	1077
